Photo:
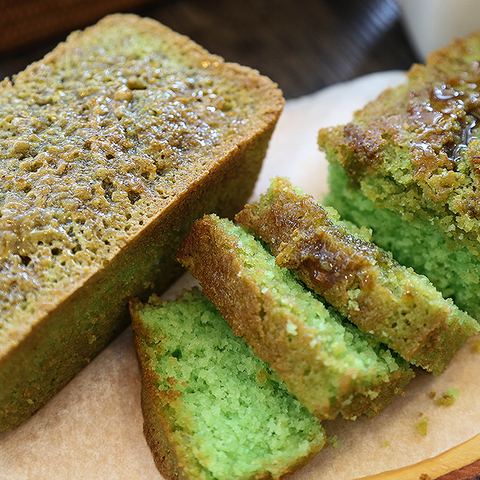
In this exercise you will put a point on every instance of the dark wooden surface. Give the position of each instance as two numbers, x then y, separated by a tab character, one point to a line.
303	45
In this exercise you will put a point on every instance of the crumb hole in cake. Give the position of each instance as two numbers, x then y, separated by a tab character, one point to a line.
133	196
109	188
56	251
76	248
25	259
176	354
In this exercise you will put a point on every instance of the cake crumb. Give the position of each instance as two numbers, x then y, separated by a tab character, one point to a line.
291	328
262	377
422	426
334	441
449	397
425	476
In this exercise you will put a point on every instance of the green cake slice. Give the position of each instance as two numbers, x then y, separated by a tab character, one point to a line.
407	165
326	362
212	409
383	298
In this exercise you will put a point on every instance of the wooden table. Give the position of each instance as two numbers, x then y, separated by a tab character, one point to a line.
303	46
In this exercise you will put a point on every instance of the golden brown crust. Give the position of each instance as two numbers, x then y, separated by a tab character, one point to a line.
155	434
428	115
156	428
202	253
303	237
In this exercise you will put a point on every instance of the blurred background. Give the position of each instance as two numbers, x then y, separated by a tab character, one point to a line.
303	45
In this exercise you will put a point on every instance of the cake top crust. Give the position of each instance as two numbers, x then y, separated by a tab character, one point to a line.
98	137
421	140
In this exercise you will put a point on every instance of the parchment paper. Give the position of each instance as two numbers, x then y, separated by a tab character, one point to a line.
92	429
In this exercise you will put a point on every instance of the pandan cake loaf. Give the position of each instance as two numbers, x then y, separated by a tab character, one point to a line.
212	409
110	147
387	300
407	166
326	362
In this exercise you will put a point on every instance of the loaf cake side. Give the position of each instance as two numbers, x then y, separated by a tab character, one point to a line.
111	146
326	362
212	410
406	166
385	299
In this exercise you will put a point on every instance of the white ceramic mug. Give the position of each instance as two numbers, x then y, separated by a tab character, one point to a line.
431	24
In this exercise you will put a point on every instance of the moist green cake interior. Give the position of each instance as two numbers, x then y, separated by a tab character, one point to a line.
234	414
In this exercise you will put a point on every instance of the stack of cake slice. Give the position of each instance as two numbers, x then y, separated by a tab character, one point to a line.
380	296
327	363
337	330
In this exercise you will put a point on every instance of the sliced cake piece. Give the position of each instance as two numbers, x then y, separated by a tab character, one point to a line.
387	300
325	361
407	165
212	409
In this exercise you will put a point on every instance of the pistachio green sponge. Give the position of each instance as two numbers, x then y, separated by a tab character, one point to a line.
212	409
